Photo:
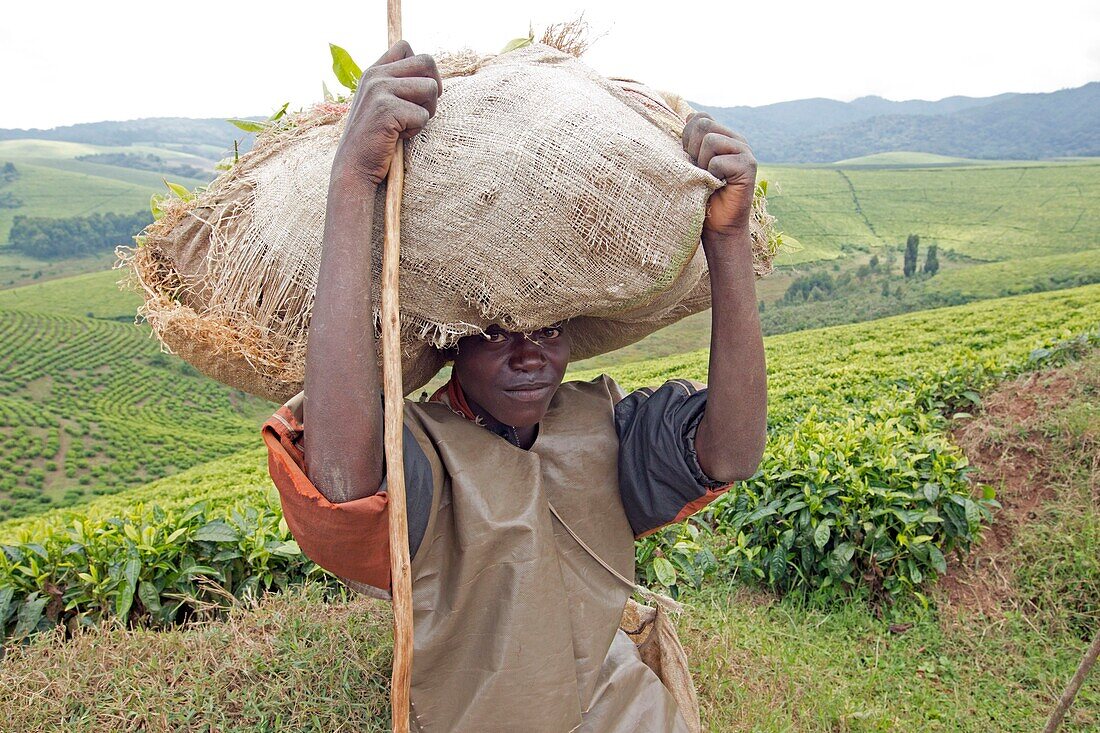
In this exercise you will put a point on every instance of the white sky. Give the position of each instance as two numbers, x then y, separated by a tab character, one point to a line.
67	62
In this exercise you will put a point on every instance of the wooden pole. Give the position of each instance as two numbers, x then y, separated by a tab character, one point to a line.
401	578
1074	685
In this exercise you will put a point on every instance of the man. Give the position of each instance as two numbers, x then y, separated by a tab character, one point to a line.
509	470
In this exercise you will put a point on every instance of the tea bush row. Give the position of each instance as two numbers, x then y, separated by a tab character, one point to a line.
860	488
148	566
95	405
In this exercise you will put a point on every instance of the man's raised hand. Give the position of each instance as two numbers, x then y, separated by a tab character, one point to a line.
727	156
394	100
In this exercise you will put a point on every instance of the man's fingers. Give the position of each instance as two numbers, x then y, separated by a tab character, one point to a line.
409	116
718	143
698	126
733	167
418	90
396	52
419	65
696	131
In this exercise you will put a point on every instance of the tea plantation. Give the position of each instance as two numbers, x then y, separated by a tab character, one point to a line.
93	406
861	490
985	212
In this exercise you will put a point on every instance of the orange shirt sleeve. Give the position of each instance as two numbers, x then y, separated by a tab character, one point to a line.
349	539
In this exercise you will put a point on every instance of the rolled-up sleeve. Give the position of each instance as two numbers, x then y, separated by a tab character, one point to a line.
660	479
349	539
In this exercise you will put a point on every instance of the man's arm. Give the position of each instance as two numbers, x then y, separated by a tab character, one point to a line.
731	435
343	407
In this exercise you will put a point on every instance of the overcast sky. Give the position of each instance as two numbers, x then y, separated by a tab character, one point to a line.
63	62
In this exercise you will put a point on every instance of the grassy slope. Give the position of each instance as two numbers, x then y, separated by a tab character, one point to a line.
53	183
759	663
988	212
96	293
1017	276
47	191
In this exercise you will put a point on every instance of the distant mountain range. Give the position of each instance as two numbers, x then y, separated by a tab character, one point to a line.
1011	126
206	137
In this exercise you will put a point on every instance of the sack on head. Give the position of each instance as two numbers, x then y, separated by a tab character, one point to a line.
540	192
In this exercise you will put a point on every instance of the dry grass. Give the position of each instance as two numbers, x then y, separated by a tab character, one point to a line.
292	663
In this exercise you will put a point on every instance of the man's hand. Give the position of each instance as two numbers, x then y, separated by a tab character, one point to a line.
395	98
726	156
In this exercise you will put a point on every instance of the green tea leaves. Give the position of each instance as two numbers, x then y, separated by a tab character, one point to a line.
247	125
347	71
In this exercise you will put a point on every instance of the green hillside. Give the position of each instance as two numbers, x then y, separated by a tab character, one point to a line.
93	406
94	294
829	370
988	212
48	191
53	183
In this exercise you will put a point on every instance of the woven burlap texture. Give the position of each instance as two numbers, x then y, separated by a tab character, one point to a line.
540	192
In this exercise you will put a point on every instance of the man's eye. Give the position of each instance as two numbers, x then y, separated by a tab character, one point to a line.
496	337
550	333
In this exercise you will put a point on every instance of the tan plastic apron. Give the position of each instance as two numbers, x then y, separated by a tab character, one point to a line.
516	626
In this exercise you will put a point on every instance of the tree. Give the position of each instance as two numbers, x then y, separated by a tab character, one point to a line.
886	288
931	262
874	262
911	245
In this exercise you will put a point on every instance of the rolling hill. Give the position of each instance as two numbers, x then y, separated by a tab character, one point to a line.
93	406
1009	126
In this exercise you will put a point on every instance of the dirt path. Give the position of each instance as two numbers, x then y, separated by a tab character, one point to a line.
1012	449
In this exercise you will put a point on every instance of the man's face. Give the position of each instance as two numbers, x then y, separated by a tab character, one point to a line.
510	375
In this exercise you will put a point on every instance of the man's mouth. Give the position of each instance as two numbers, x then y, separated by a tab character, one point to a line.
529	392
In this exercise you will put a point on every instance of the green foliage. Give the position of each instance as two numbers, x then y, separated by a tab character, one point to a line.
873	499
810	287
911	245
147	566
49	238
347	71
931	262
78	391
858	418
517	43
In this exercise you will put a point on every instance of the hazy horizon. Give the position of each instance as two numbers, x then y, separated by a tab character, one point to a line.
217	59
785	101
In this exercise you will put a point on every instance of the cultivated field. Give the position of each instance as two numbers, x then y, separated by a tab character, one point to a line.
865	419
985	212
53	183
92	406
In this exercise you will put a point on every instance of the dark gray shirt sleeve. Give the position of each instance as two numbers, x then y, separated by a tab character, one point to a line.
659	472
418	490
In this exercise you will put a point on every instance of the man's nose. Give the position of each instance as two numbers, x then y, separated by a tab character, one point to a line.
527	355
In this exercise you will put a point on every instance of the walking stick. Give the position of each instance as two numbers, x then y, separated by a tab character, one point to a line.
401	579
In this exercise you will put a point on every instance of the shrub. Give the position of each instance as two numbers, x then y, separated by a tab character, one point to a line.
147	566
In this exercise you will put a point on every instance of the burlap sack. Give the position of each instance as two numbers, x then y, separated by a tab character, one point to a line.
654	633
539	192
